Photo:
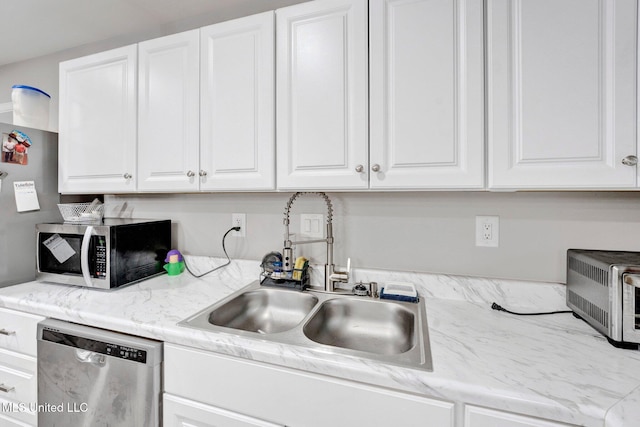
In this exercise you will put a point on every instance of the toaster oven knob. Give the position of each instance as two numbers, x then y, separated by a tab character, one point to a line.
630	161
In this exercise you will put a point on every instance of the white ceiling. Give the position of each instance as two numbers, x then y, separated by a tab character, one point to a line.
33	28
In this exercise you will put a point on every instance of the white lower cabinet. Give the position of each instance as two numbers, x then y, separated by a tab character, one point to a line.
245	393
10	422
475	416
180	412
18	368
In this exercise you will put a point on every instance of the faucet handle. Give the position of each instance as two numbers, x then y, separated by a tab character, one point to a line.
342	276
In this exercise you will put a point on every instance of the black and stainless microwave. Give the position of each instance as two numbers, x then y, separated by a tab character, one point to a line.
109	254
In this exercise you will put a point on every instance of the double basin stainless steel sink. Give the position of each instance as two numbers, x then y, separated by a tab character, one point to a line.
328	322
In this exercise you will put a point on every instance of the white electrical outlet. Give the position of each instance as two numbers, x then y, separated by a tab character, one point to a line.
239	220
488	231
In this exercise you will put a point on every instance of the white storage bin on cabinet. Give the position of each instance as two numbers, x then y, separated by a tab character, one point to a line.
30	106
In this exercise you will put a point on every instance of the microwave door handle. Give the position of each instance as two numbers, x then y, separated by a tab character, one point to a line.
84	255
632	279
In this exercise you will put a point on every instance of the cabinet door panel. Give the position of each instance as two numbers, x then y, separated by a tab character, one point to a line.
179	412
246	387
322	95
561	93
238	104
18	375
98	122
168	112
483	417
19	331
427	100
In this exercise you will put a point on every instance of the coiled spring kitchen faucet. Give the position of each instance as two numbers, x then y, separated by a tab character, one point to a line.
331	277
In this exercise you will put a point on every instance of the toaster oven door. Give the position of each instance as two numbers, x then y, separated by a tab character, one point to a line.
631	308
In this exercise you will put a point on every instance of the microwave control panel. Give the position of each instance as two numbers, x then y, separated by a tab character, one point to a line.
100	253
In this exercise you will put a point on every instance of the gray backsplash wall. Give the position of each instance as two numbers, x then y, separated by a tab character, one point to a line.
416	231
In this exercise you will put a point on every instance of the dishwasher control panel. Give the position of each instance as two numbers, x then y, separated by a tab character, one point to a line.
96	346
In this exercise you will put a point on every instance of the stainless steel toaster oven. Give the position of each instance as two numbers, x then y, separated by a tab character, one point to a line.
603	288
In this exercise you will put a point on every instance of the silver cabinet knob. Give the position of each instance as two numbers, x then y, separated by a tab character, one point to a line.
127	176
190	174
630	161
359	168
375	168
203	173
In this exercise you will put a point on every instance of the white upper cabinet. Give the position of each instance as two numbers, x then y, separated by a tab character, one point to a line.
97	132
201	117
168	112
368	94
561	91
322	95
238	104
427	93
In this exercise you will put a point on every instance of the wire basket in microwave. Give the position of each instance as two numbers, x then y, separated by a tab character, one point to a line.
81	212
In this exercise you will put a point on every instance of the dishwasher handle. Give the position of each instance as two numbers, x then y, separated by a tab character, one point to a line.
86	356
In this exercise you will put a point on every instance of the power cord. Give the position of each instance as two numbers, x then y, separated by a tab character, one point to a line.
498	307
225	253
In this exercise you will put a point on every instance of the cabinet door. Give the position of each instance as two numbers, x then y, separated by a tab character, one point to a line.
18	386
179	412
322	86
483	417
310	400
561	93
97	137
237	104
168	112
427	93
18	331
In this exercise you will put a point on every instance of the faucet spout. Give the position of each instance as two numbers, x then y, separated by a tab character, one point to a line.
329	269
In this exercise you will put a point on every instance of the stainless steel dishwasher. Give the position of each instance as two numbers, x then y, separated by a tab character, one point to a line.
92	377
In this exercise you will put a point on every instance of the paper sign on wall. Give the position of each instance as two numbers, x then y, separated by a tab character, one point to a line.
26	196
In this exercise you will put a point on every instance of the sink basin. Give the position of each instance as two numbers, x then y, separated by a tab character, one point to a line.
328	323
265	311
372	326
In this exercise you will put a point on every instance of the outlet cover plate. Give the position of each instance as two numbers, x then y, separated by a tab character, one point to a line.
488	231
311	226
240	220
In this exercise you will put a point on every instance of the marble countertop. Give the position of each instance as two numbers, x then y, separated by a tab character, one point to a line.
554	367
